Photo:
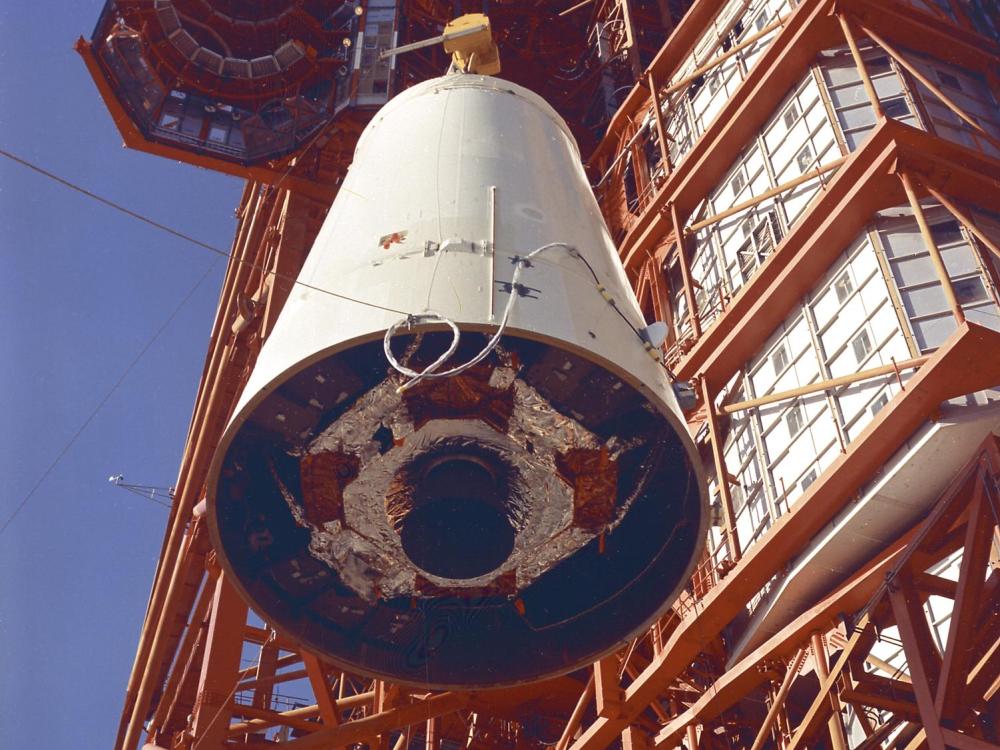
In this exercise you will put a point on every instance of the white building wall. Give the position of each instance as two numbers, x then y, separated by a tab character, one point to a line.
848	323
826	115
970	93
879	302
689	110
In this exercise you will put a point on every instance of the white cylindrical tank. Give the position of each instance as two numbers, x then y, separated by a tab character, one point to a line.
512	511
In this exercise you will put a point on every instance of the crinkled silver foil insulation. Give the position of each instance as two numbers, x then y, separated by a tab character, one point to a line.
583	474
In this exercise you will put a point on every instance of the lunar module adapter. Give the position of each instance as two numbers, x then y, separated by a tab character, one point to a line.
459	461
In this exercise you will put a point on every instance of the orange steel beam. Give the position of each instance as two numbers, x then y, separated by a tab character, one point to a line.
965	614
785	187
864	634
967	362
969	224
861	187
184	655
216	395
838	739
823	385
721	475
741	678
661	133
910	68
321	689
685	265
912	698
779	700
683	38
218	680
267	719
897	19
810	28
922	656
607	690
932	248
859	63
366	729
721	58
576	717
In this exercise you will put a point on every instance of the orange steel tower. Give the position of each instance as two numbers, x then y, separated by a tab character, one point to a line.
807	193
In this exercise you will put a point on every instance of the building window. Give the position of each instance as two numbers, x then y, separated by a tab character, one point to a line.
804	158
878	65
969	290
169	120
878	403
791	116
779	359
843	286
808	479
896	107
947	79
218	133
737	183
738	496
761	241
761	21
946	232
862	345
714	84
794	420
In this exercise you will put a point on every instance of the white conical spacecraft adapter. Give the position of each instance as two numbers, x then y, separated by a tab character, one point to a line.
480	477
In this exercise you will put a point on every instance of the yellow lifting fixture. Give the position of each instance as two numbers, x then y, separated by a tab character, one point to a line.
469	40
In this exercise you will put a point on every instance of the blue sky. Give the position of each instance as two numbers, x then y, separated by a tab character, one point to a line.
82	291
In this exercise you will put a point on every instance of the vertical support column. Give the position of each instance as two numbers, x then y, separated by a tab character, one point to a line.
965	616
691	734
859	63
932	248
685	271
721	475
432	735
640	170
266	668
211	406
838	739
661	296
220	667
921	655
630	39
779	700
263	690
634	738
321	689
576	718
380	703
661	131
607	688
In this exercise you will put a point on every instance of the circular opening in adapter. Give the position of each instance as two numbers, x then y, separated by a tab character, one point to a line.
458	527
